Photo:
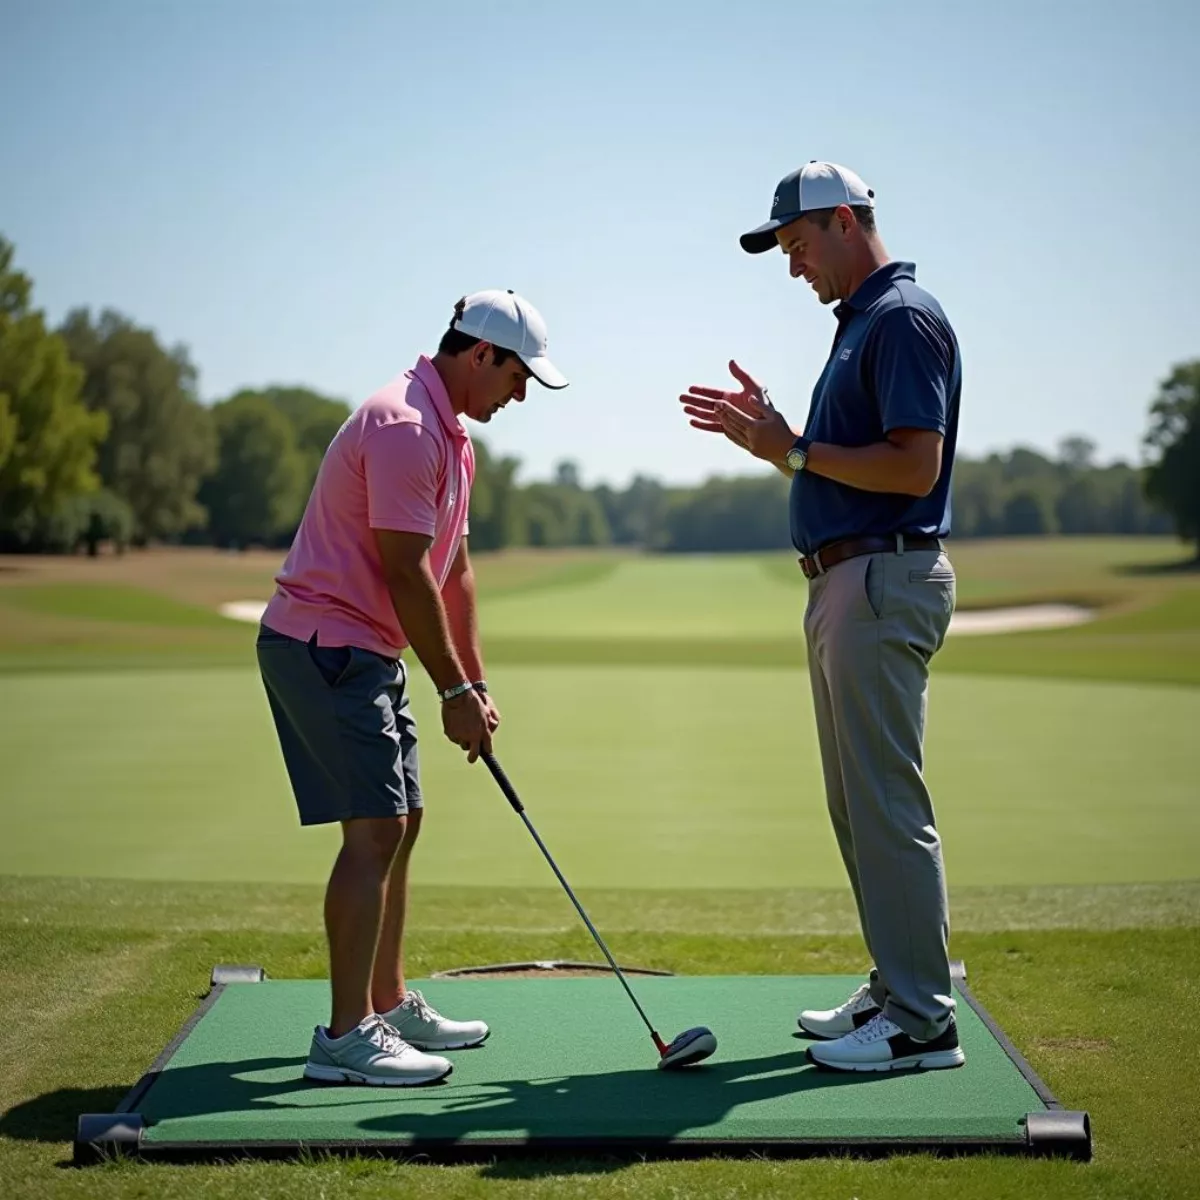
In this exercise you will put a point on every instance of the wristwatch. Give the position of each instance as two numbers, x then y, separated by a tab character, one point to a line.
797	456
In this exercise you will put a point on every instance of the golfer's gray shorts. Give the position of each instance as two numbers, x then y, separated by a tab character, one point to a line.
347	733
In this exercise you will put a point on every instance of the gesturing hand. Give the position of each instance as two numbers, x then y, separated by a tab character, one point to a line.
747	418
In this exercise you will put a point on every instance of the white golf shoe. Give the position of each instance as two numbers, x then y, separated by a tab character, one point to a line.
846	1018
372	1053
421	1025
881	1045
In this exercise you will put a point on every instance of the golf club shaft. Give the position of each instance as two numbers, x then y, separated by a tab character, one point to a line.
511	796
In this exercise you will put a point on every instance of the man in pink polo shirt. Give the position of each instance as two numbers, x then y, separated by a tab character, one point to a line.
379	563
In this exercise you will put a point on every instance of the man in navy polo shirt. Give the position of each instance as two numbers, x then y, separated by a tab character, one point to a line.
870	502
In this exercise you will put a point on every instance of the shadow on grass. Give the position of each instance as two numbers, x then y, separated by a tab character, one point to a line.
51	1118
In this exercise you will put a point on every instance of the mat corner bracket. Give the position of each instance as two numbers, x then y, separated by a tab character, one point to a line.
1059	1133
107	1135
226	973
958	970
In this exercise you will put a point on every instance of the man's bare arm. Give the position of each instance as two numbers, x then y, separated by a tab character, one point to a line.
908	462
459	598
418	604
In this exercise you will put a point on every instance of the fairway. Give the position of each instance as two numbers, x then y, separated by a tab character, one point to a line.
697	596
637	778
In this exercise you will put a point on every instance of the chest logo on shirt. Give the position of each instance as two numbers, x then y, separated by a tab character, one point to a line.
845	354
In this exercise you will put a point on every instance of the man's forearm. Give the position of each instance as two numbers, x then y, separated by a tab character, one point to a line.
419	608
886	466
879	467
461	613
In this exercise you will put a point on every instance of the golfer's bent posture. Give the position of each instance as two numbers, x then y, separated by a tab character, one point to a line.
379	563
870	502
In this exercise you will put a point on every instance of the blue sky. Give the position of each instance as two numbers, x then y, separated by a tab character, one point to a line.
299	192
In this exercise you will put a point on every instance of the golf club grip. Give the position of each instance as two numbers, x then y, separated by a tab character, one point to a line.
510	792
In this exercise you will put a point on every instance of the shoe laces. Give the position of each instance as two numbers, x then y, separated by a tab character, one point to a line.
386	1037
876	1029
422	1007
857	998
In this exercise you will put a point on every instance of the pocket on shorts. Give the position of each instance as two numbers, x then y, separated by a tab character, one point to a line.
333	662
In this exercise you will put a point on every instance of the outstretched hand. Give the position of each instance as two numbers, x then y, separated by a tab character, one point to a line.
746	417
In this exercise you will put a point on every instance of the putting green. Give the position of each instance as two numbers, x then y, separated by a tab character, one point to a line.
634	777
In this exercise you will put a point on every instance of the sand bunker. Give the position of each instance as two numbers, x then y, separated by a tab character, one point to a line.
1018	619
963	623
243	610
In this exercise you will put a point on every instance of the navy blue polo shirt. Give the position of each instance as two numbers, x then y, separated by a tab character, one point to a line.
894	364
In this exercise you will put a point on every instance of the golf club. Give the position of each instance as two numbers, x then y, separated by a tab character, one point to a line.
690	1046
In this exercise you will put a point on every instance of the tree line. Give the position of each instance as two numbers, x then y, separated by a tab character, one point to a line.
104	439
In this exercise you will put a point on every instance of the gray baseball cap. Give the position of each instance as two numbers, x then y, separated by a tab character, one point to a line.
814	185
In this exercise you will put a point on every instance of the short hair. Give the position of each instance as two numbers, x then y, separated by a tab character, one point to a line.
455	342
864	214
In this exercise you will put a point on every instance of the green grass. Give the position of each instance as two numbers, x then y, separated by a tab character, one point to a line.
170	616
635	777
146	906
109	602
579	608
1074	1002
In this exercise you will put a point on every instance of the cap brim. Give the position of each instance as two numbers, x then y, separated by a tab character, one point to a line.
544	371
762	239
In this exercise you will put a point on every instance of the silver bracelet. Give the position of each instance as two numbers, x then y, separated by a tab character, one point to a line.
459	689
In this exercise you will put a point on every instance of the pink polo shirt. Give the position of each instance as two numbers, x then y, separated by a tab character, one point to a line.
401	461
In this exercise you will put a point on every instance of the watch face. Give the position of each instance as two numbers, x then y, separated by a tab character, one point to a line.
796	459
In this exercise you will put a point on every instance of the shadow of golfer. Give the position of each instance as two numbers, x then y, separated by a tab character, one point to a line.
582	1113
619	1105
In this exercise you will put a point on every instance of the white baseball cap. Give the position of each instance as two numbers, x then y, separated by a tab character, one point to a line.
814	185
510	321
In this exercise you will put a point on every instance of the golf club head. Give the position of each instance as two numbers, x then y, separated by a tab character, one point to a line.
689	1047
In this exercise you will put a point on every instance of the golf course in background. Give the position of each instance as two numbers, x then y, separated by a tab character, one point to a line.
657	722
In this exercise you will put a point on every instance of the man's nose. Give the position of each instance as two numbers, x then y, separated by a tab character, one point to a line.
797	267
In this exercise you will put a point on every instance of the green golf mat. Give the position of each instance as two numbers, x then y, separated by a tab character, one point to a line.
569	1065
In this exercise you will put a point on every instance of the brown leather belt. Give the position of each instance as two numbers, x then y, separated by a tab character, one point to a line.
835	552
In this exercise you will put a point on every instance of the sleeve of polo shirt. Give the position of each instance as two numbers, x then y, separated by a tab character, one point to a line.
402	464
910	368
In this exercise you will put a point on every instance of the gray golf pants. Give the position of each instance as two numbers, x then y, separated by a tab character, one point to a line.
871	627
